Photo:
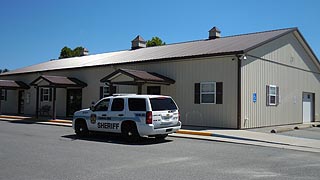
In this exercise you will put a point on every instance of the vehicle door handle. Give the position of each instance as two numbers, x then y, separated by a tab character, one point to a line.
120	115
103	115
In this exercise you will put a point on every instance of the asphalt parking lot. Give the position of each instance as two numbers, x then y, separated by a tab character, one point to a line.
34	151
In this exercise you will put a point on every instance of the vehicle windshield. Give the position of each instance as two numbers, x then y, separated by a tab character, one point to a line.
161	104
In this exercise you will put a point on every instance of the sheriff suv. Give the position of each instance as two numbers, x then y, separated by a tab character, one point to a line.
133	116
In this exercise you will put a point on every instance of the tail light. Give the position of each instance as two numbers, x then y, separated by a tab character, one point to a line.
179	116
149	117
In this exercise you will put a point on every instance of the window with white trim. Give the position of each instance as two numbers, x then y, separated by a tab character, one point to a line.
272	95
208	92
45	93
105	91
3	94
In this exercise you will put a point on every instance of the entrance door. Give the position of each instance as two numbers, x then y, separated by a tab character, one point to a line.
74	101
307	100
21	102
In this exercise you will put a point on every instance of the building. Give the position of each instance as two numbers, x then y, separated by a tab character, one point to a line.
244	81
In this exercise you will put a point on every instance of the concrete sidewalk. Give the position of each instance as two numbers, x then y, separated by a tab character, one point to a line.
253	138
42	120
249	137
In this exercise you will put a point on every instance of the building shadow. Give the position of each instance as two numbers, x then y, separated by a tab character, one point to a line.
115	139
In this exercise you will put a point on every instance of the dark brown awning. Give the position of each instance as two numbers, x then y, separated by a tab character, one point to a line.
57	81
11	84
139	77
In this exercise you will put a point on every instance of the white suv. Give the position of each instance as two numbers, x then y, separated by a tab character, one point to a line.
131	115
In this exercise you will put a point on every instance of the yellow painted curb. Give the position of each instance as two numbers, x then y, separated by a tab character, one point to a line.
201	133
14	117
60	121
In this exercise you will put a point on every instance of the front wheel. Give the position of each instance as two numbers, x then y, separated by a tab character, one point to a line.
130	133
81	129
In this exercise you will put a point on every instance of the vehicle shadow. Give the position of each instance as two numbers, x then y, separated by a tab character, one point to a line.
24	121
115	139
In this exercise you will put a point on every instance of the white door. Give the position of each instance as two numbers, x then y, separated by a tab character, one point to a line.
307	107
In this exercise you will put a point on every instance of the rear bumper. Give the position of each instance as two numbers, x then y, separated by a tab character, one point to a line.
149	130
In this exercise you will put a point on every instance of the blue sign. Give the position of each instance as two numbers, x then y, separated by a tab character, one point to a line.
254	97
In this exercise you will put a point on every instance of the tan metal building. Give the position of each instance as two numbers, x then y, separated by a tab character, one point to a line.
243	81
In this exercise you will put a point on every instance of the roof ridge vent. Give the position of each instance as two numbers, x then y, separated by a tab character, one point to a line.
138	42
214	33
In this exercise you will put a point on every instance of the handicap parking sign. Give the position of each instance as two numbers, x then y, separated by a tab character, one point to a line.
254	97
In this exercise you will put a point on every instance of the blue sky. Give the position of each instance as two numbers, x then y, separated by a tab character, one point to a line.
34	31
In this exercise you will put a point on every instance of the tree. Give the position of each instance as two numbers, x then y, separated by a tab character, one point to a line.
78	51
4	70
67	52
155	41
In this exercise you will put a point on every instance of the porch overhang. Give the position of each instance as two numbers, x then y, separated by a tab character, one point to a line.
57	82
13	85
136	77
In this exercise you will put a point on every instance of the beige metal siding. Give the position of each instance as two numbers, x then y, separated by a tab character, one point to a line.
185	73
188	72
257	73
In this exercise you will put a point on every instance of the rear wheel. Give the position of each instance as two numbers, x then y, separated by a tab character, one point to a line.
129	132
161	136
81	129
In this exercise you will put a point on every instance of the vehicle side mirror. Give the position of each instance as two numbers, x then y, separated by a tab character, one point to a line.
92	108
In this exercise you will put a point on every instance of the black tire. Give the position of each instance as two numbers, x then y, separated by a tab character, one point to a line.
129	132
161	136
81	129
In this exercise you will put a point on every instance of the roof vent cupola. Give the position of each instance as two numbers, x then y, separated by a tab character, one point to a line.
138	42
85	52
214	33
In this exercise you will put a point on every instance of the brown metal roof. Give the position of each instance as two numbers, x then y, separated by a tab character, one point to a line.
10	84
221	46
59	81
139	77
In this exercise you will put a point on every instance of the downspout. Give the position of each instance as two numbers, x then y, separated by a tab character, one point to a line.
0	100
37	102
239	92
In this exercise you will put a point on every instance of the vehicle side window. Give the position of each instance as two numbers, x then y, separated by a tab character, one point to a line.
161	104
117	104
137	104
102	105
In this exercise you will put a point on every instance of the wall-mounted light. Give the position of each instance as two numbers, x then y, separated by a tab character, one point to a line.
243	57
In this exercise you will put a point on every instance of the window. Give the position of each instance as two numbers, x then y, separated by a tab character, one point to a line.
105	91
137	104
46	94
272	95
208	92
102	105
3	94
117	104
161	104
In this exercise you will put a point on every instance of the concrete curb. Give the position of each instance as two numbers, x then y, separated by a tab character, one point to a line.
292	128
56	122
279	130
